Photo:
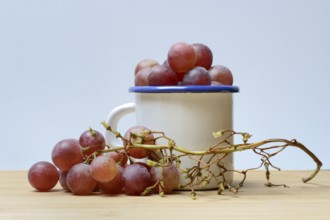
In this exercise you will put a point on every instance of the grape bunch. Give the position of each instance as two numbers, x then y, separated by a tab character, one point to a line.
186	64
88	165
141	166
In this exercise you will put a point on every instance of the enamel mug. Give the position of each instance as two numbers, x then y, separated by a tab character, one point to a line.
187	114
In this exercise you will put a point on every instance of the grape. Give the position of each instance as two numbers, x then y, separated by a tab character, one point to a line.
80	180
171	177
43	176
62	180
145	63
162	75
114	186
92	139
141	77
221	74
197	76
131	135
181	57
143	164
138	153
120	158
136	179
216	83
103	168
204	56
180	77
67	153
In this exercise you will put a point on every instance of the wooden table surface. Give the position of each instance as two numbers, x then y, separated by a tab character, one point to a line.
254	201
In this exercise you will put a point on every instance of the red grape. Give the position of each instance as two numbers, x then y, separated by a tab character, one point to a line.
114	186
171	177
143	164
145	63
162	75
141	77
80	180
120	158
133	135
204	55
216	83
197	76
180	77
62	180
43	176
181	57
103	168
221	74
138	153
92	139
136	179
67	153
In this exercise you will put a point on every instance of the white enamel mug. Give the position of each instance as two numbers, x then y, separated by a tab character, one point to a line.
187	114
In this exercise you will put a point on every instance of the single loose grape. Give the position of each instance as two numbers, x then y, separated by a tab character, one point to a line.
136	134
43	176
67	153
141	77
145	63
62	180
114	186
80	180
93	140
181	57
136	179
197	76
170	175
204	56
103	168
120	158
221	74
162	75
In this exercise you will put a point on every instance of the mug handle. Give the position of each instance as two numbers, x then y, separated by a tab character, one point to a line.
113	118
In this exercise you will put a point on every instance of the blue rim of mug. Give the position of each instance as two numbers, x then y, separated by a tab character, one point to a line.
183	89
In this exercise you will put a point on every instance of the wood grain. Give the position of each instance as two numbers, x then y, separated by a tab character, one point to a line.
254	201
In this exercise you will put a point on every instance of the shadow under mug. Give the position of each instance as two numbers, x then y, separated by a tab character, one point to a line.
187	114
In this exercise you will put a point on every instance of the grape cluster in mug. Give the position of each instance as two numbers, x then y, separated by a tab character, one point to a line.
186	64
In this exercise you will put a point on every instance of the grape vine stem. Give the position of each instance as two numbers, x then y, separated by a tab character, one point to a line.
266	149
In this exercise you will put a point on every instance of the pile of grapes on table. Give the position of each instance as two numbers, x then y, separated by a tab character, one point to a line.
85	165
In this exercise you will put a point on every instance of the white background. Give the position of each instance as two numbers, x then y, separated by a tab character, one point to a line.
65	64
